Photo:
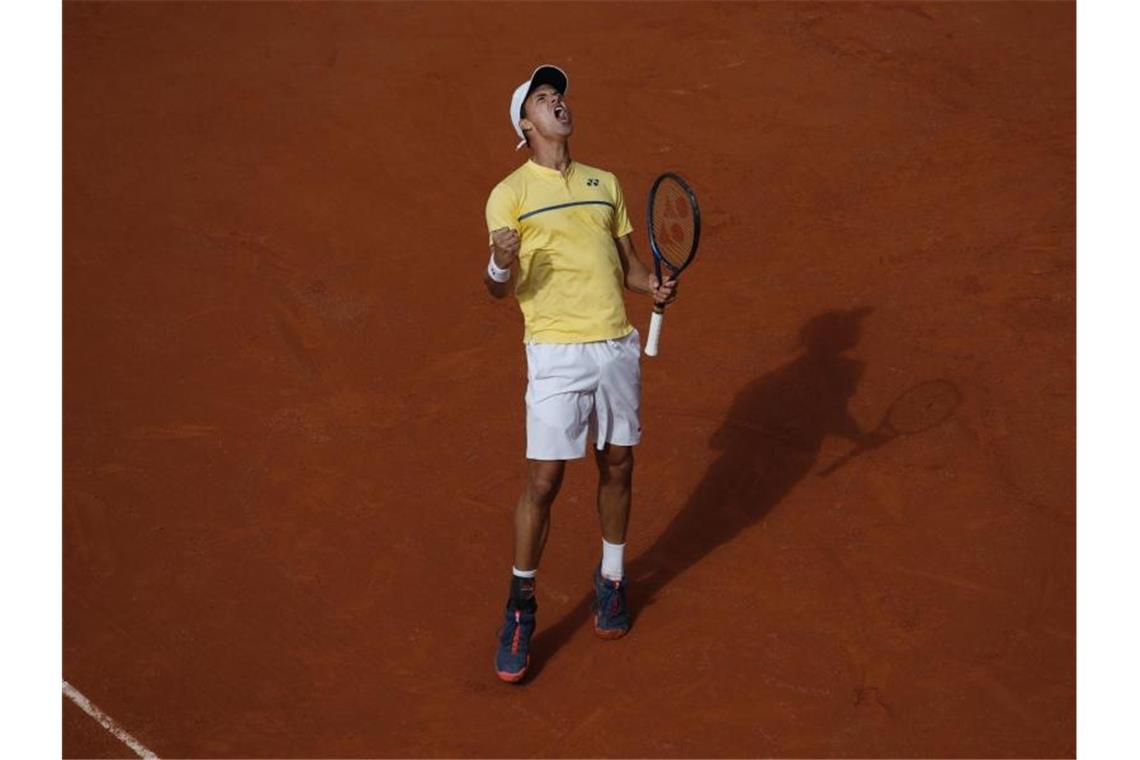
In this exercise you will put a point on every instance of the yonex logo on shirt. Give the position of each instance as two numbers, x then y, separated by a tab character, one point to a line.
592	182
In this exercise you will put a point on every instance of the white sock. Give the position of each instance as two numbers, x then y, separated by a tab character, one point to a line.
523	573
612	560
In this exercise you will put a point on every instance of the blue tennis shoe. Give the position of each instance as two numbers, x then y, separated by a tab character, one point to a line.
611	616
513	657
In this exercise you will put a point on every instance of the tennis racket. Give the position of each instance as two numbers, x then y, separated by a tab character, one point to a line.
674	230
917	410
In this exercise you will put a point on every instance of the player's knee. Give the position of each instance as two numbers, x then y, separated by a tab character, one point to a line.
616	464
543	486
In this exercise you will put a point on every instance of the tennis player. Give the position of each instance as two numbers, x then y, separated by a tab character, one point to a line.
559	229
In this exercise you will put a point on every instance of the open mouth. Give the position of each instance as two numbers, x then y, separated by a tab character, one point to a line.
560	113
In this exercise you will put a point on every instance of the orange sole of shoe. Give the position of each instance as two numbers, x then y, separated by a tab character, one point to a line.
513	677
609	634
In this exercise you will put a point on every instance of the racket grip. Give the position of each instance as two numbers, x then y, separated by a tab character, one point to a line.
654	338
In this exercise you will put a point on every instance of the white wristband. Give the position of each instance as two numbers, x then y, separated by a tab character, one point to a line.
496	274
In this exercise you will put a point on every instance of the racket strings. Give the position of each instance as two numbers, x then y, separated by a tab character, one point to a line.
674	225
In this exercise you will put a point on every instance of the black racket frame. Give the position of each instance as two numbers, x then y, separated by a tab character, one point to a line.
658	259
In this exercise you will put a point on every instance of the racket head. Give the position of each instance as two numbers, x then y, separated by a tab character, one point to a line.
922	407
674	224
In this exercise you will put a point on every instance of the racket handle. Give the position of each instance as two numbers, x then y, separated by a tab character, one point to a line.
859	450
654	338
840	462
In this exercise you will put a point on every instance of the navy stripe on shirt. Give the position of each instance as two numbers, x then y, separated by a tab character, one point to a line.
565	205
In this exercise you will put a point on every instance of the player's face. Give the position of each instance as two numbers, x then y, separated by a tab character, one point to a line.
548	113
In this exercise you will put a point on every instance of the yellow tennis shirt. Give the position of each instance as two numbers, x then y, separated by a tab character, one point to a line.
570	278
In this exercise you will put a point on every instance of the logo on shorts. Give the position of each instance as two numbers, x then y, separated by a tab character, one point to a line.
591	183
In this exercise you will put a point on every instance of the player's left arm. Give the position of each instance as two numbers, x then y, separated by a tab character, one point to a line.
638	277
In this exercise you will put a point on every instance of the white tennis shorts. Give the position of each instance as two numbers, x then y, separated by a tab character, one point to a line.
580	389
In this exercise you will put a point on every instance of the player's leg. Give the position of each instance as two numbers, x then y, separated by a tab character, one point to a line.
532	513
558	412
615	488
532	526
618	430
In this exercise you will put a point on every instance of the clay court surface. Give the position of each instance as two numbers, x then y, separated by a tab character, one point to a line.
294	421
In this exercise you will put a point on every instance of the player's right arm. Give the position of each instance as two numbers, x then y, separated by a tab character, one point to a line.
502	214
504	253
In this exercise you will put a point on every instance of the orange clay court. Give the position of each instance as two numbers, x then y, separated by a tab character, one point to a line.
293	418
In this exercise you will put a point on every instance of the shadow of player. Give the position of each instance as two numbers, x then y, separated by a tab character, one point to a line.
769	441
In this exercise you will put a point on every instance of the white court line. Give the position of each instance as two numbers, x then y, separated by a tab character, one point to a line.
105	721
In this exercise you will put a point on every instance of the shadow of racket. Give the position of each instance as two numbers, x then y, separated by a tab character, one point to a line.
921	408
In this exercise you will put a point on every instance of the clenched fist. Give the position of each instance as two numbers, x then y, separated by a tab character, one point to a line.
505	247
